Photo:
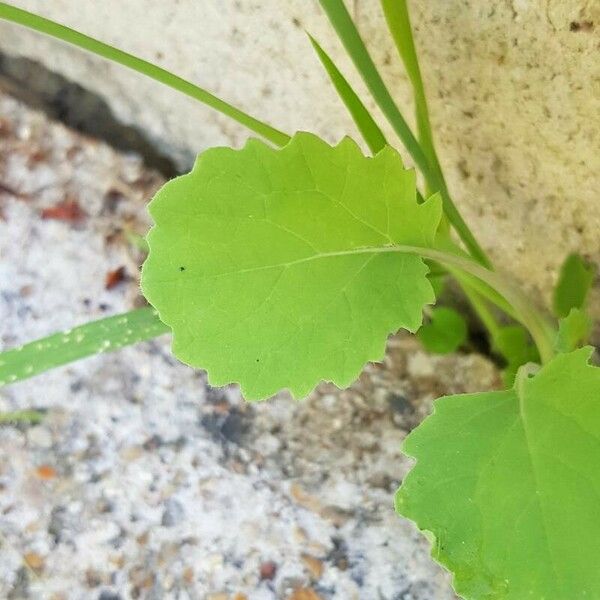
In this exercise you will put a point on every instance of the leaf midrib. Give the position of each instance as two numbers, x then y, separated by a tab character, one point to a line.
520	394
323	255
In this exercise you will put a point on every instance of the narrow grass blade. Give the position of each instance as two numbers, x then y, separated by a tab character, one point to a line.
345	28
367	126
53	29
104	335
397	17
342	23
32	417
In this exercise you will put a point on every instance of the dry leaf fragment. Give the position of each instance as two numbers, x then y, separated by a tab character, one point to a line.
67	210
304	594
46	472
114	278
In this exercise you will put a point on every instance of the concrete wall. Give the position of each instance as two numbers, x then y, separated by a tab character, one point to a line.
513	85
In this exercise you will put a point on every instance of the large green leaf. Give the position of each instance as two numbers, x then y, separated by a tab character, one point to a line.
279	268
508	483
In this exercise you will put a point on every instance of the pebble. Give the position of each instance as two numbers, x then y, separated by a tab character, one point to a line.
108	595
313	565
420	365
268	570
304	594
39	436
173	514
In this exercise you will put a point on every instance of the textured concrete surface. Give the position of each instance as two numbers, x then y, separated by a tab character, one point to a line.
514	89
142	481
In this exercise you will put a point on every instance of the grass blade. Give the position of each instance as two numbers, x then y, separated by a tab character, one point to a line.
104	335
342	23
344	26
367	126
31	417
398	20
53	29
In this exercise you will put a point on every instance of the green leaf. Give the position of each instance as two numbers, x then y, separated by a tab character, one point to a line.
104	335
438	277
279	268
445	331
573	330
508	484
53	29
574	282
514	344
367	126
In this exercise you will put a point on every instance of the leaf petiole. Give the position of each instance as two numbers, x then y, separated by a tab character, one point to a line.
112	333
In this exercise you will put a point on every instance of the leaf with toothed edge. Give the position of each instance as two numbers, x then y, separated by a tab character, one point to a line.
277	269
508	484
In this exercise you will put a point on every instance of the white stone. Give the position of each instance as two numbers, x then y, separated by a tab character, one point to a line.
39	436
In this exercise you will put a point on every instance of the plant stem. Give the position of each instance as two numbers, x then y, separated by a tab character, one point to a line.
540	330
483	312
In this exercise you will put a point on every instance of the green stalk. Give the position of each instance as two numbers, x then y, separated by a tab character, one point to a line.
53	29
483	312
541	331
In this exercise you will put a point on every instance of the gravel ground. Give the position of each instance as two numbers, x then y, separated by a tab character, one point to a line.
142	481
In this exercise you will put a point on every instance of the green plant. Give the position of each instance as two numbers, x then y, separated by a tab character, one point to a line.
279	267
